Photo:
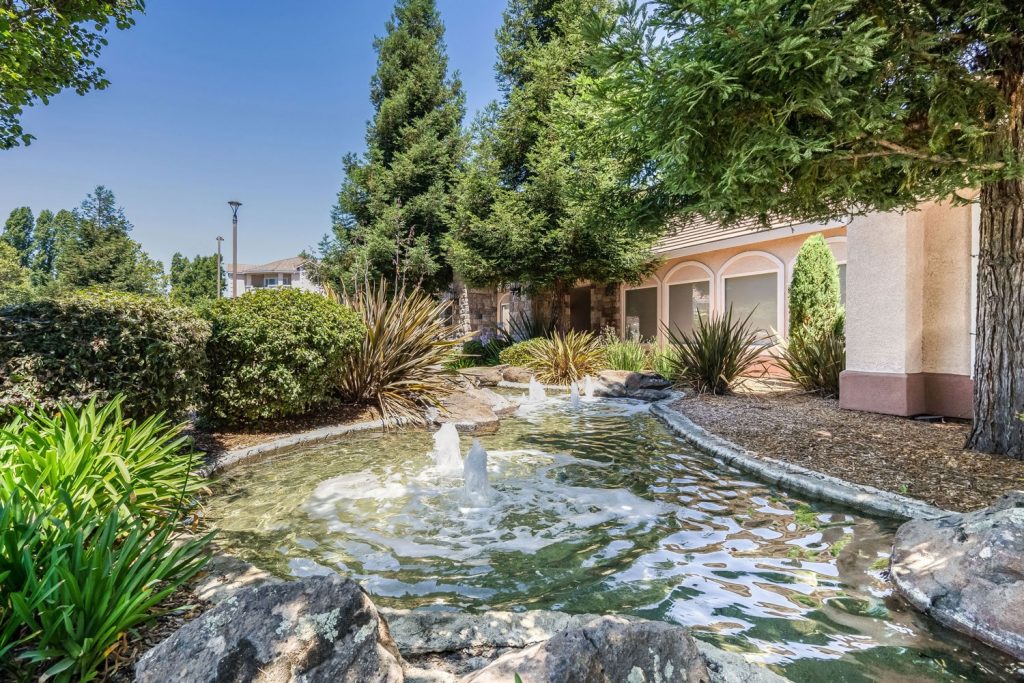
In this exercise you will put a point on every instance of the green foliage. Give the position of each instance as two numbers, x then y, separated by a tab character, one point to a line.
394	204
50	231
18	233
46	47
814	360
663	362
532	208
627	355
484	352
16	283
89	505
814	300
98	251
399	364
561	359
196	280
715	353
77	346
520	353
272	352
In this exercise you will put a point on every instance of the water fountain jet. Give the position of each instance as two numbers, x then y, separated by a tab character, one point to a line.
574	395
588	386
536	391
447	450
474	473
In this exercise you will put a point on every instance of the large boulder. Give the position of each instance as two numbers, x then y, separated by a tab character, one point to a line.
474	409
644	386
483	376
967	571
608	649
321	628
517	375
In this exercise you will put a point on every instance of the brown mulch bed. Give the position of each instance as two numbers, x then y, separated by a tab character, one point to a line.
918	459
218	441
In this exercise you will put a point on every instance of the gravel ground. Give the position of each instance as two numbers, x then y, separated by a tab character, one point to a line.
918	459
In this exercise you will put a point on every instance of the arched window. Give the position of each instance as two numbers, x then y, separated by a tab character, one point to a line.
687	295
640	311
752	284
504	310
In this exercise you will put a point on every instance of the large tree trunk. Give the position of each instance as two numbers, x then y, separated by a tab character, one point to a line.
999	358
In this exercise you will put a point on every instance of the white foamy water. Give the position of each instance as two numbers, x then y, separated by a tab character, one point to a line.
447	453
537	392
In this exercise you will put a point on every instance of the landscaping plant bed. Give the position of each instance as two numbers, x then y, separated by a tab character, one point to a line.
919	459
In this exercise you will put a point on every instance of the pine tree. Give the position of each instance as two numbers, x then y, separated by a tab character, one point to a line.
18	233
814	299
534	207
195	280
99	252
15	285
395	203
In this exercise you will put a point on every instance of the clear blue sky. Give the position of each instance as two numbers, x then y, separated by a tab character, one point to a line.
212	100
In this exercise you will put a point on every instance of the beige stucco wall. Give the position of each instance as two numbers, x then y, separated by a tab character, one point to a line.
946	309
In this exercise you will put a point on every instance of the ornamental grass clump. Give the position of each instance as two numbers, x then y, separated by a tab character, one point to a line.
815	360
519	354
90	510
399	366
712	356
627	355
561	359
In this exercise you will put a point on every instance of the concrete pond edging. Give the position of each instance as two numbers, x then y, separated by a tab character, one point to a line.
796	478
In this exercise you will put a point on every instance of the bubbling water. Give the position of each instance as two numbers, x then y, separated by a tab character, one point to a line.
588	386
574	395
537	393
447	453
475	484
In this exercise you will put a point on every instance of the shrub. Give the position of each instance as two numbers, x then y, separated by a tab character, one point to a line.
400	361
814	301
715	353
519	354
75	347
272	353
560	359
627	355
814	361
484	352
89	506
663	362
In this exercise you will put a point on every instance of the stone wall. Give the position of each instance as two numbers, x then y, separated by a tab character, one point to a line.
604	307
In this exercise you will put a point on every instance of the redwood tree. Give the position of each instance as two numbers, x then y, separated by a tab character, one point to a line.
816	109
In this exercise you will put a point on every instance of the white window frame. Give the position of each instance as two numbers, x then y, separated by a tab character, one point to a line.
779	271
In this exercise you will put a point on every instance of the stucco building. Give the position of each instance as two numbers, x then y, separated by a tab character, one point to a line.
281	274
907	282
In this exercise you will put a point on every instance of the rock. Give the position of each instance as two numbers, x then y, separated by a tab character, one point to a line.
475	409
643	386
487	376
967	571
608	649
729	667
517	375
321	628
224	576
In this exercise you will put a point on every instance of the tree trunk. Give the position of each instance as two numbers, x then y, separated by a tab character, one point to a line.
999	357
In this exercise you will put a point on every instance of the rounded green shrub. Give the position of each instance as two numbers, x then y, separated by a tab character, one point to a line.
78	346
814	300
274	353
520	353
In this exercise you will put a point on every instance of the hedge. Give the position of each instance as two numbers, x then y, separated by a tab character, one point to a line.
273	353
73	347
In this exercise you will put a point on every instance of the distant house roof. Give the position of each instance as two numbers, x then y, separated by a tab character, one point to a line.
683	233
285	265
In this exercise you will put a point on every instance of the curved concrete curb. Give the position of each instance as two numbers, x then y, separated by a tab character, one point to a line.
227	459
794	477
519	385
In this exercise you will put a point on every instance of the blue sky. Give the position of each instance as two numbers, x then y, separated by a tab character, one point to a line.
212	100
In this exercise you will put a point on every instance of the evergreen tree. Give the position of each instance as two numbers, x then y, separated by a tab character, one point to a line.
99	252
814	298
43	244
18	233
395	202
534	207
195	280
15	285
824	108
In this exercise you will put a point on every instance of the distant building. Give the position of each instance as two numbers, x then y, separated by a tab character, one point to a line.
288	272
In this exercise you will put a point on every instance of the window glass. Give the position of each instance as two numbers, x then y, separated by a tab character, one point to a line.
685	303
842	283
642	314
757	295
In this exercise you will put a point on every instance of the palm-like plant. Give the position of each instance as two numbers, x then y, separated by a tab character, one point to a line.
560	359
814	360
718	350
399	366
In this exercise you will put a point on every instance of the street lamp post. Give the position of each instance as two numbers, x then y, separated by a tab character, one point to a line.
234	246
220	287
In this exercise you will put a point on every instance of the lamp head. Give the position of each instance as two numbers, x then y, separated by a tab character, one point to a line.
234	204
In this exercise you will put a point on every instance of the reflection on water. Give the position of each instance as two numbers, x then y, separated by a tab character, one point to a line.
596	509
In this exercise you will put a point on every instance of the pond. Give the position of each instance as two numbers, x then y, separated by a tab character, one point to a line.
597	508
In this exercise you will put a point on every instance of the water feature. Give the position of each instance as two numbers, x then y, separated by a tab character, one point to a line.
447	451
588	386
474	478
596	510
537	393
574	395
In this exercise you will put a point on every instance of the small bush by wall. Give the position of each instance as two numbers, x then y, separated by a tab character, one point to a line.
519	354
78	346
273	353
814	300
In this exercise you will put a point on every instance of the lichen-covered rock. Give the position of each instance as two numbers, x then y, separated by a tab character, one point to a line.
474	409
644	386
517	375
484	376
608	649
317	629
967	571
